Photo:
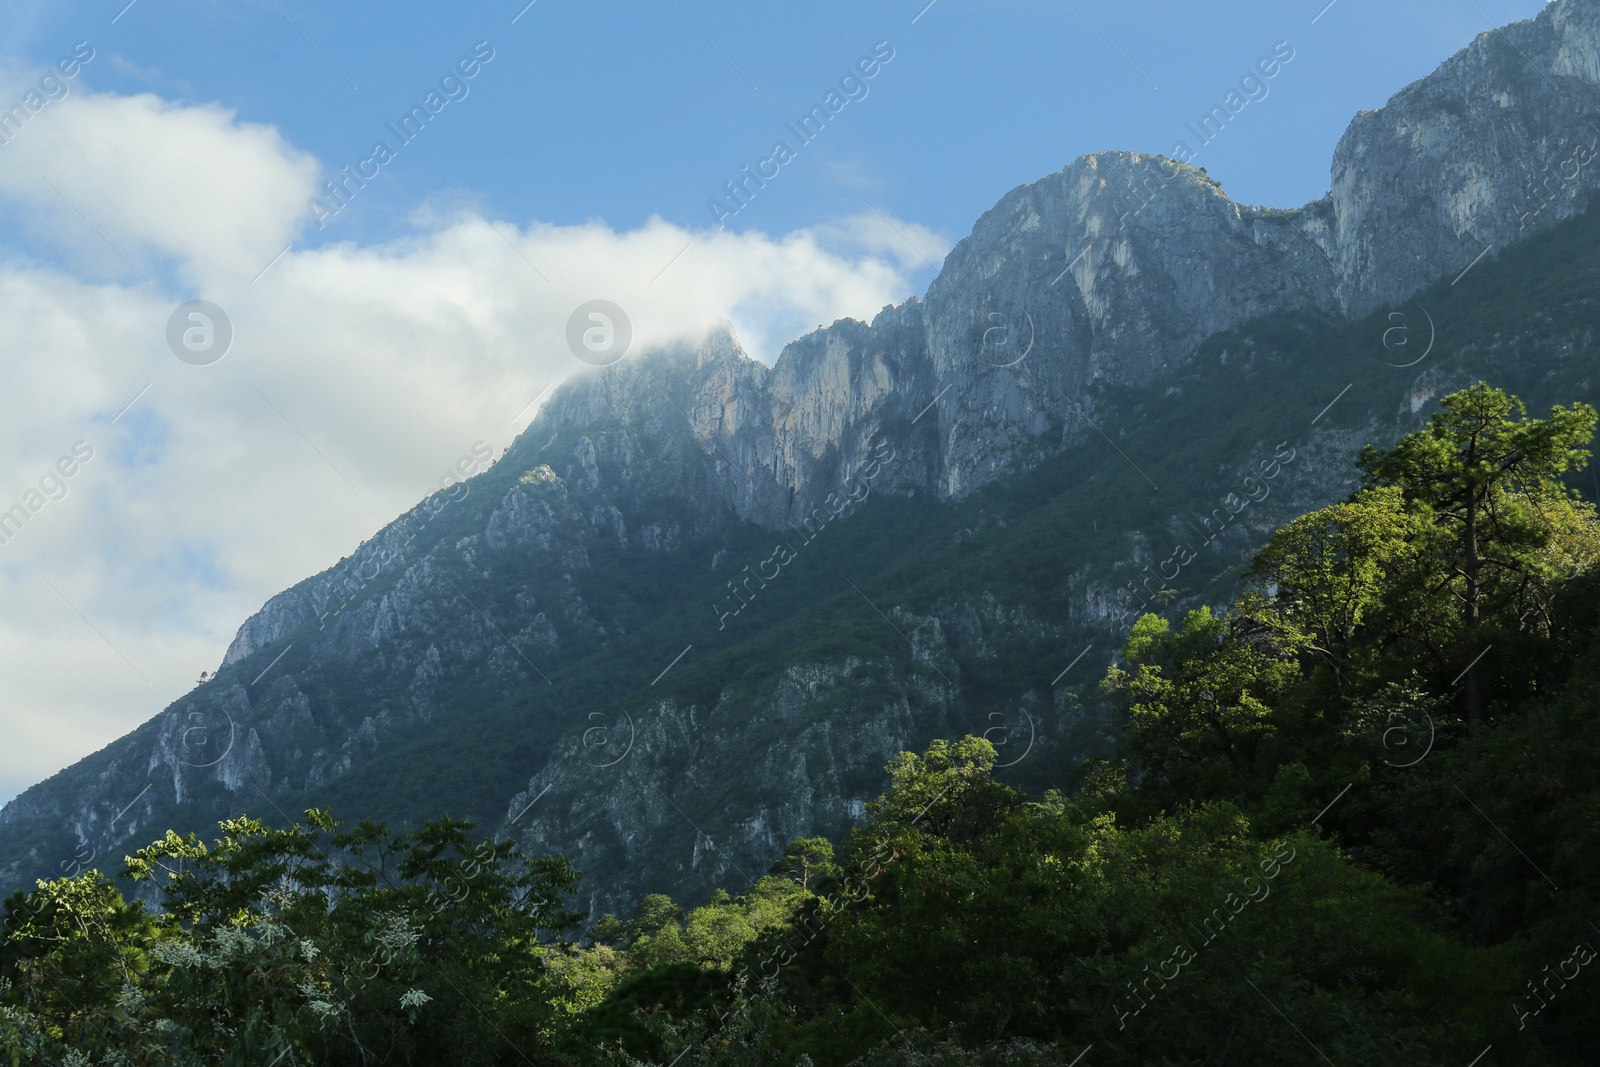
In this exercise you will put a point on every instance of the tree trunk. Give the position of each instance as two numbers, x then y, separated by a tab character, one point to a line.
1474	622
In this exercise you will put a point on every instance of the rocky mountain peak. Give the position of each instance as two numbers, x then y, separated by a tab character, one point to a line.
1111	271
1498	142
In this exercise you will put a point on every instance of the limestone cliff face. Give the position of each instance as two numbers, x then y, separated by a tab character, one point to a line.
1111	271
1106	276
639	795
1107	273
1501	140
697	795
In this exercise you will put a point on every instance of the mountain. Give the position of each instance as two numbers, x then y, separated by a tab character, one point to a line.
701	601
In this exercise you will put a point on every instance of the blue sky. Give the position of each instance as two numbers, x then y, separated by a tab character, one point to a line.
427	315
623	110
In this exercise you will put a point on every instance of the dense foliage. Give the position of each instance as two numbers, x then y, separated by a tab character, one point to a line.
1351	821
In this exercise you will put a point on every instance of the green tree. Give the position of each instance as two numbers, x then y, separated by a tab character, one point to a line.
68	951
1330	571
1200	700
342	945
1487	479
947	791
805	860
1151	943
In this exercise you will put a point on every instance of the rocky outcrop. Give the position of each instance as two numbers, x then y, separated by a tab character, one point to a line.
651	794
1501	140
1112	271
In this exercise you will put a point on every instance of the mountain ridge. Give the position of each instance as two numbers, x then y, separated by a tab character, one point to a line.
848	366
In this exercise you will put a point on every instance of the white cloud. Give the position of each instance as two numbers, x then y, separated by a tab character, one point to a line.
378	364
189	182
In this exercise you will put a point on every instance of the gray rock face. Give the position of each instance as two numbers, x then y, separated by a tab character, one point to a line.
1108	274
1501	140
617	798
1111	271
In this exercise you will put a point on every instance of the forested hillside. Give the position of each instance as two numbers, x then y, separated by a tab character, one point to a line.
1349	820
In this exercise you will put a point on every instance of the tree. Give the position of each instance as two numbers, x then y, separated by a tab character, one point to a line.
397	951
806	859
654	913
1153	943
1486	478
1330	571
68	950
947	791
1200	701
